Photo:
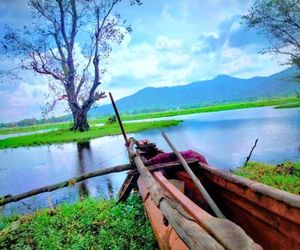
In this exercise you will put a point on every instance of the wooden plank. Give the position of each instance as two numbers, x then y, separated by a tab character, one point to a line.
127	186
131	179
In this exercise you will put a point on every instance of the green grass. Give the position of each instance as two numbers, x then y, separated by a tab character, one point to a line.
220	107
65	135
4	131
285	176
88	224
289	105
60	125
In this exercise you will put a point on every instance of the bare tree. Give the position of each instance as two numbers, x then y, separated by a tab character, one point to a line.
69	42
279	22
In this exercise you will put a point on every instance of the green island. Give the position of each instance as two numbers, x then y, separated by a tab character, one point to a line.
284	176
278	103
65	135
87	224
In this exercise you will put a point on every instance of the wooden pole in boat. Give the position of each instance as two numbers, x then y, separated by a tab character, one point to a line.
119	118
196	181
69	182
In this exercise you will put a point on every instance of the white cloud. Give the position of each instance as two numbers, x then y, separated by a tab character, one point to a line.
27	94
165	43
167	61
25	101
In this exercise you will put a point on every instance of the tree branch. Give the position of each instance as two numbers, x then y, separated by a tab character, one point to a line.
62	24
74	24
249	156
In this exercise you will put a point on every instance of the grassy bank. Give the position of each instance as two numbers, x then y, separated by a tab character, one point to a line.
88	224
65	135
215	108
283	103
289	105
285	176
5	131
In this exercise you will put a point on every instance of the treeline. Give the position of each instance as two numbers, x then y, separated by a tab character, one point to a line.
34	121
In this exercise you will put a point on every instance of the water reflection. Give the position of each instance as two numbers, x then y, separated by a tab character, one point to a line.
85	158
84	150
110	187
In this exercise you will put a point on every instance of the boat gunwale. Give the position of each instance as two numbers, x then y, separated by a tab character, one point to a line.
280	195
209	222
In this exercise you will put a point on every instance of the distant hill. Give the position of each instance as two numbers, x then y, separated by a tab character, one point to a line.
221	89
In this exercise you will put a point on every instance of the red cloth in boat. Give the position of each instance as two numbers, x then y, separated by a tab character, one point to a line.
168	157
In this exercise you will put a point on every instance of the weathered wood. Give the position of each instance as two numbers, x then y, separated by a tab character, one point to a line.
66	183
170	165
194	178
257	208
184	225
129	183
228	234
131	179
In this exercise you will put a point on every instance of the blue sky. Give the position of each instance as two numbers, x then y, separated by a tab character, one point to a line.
173	42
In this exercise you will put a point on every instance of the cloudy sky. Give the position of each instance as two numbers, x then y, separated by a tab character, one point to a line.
173	42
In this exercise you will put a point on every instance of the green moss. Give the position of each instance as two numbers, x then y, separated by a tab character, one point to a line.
65	135
285	176
88	224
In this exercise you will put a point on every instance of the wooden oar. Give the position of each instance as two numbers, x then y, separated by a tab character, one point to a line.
194	178
119	168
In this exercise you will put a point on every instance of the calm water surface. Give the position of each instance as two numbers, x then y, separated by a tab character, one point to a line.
224	138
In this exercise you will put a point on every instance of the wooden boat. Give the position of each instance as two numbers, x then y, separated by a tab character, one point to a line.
254	211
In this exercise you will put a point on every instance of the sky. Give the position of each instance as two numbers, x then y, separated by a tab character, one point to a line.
173	42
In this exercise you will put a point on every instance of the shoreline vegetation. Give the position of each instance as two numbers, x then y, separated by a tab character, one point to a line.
278	103
88	224
289	105
65	135
285	176
99	223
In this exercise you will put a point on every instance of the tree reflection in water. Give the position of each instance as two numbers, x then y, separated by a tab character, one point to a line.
84	149
84	153
110	188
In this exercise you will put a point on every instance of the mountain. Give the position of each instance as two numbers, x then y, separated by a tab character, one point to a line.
221	89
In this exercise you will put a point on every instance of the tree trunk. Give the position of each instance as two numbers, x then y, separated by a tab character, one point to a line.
80	121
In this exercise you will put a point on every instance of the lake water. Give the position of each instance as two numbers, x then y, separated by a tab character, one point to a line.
224	138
